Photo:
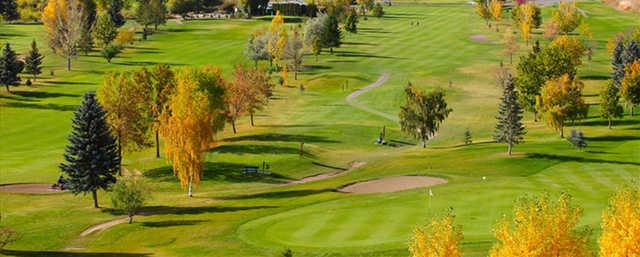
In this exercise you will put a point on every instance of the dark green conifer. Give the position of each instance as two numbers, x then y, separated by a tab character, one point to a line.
509	128
618	64
91	158
33	62
10	67
332	35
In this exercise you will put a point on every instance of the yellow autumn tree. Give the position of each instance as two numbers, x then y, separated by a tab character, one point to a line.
571	45
192	115
541	228
441	238
526	12
630	86
621	225
276	26
510	44
561	100
63	20
281	45
495	8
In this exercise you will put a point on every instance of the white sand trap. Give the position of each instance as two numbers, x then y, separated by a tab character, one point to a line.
28	188
392	184
482	39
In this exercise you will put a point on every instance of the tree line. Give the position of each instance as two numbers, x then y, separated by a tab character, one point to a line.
542	227
132	111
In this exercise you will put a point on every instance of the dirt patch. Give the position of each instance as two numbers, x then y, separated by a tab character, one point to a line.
353	166
392	184
482	39
29	188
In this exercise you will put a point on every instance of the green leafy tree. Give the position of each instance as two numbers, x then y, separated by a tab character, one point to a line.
89	16
294	52
105	30
91	158
314	30
610	107
10	67
33	61
129	196
351	22
159	13
257	48
509	127
332	35
423	113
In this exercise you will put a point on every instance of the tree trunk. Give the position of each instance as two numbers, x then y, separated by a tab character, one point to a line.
255	63
251	116
632	110
511	58
233	125
95	198
130	218
119	154
609	123
561	131
331	50
295	74
68	62
271	63
510	148
190	193
157	144
8	90
316	57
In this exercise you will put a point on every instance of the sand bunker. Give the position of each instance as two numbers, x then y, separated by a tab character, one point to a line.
392	184
482	39
38	189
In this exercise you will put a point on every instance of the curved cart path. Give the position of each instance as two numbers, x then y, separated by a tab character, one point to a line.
352	97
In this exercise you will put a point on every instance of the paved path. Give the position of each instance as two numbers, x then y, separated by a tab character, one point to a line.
352	97
354	165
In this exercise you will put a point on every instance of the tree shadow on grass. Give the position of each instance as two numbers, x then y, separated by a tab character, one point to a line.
171	223
276	195
612	138
602	122
360	54
220	171
57	107
595	77
255	149
183	210
564	158
24	253
359	43
273	137
69	83
148	63
40	95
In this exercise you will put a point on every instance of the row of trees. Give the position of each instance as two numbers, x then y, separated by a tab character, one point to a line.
76	25
187	108
542	227
11	66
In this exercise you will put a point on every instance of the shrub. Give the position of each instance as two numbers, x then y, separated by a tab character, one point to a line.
377	10
110	52
125	37
129	195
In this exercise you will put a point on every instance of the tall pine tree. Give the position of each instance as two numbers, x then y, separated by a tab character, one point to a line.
509	128
631	53
91	158
33	61
618	63
10	67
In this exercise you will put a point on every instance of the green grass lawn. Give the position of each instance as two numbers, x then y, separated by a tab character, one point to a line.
237	215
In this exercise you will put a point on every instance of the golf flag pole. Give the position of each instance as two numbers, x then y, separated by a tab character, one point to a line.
430	196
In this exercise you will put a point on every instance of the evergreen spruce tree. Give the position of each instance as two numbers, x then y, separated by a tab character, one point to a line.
33	61
467	137
332	35
10	67
610	107
618	64
9	10
509	128
91	158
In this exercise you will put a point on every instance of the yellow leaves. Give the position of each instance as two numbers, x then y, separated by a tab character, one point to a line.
495	7
276	22
55	9
630	86
560	100
540	228
572	45
190	120
621	225
441	238
285	75
527	12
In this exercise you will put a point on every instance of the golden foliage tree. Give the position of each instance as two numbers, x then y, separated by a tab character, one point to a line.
273	44
541	228
571	45
495	8
188	122
63	20
567	17
630	86
561	100
621	225
441	238
526	13
125	105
